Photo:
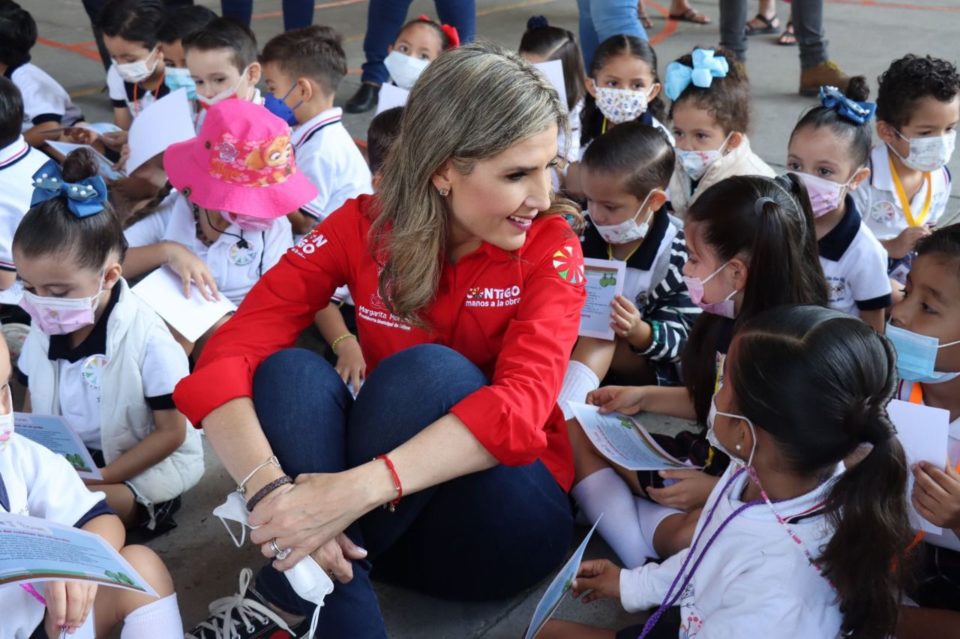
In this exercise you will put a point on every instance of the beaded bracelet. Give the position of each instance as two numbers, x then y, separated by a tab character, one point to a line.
266	490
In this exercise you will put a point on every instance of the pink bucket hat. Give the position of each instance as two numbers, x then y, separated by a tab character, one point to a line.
241	162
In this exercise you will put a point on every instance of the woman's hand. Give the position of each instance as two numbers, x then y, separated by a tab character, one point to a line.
936	494
351	366
628	400
315	510
192	270
68	605
599	578
691	491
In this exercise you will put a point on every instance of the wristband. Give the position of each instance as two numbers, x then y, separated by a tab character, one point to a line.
392	505
242	486
266	490
336	342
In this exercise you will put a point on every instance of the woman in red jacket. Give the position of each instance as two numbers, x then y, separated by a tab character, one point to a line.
468	288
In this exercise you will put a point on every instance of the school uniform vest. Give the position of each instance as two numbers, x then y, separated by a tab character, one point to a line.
125	417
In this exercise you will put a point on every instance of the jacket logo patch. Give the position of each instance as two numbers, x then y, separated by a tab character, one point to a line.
491	297
567	267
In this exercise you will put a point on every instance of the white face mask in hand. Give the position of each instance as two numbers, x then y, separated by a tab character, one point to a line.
307	577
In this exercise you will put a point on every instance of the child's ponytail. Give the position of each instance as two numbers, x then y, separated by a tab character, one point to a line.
868	507
833	377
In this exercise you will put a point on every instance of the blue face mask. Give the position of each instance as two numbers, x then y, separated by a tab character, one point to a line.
180	79
917	356
278	107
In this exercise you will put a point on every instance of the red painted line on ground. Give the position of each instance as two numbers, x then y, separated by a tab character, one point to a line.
668	30
80	48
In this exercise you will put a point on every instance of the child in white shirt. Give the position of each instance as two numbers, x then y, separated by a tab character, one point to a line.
789	545
46	104
918	109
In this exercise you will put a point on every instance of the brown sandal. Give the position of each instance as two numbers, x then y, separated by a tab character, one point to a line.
691	15
766	25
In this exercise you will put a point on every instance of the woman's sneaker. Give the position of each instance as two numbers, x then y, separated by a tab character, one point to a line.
245	615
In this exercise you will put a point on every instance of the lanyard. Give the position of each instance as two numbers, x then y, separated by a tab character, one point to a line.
136	87
625	259
905	201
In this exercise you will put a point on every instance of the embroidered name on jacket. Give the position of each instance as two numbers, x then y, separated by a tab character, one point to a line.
489	297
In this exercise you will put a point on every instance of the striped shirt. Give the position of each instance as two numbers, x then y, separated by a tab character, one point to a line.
655	284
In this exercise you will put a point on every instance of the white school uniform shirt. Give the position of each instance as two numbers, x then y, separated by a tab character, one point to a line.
329	157
44	100
754	580
854	265
948	539
37	482
878	202
134	96
80	370
18	162
236	264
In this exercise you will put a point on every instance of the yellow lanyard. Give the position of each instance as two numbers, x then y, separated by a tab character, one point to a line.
905	201
629	255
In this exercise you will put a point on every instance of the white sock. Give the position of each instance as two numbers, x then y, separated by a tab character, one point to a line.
158	619
604	492
577	382
649	516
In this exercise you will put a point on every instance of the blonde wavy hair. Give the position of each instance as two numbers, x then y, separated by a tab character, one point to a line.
470	104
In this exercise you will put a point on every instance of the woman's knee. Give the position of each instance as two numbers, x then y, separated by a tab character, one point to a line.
430	366
295	377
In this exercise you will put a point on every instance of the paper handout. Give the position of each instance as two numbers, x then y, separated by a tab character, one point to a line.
559	587
54	433
604	279
923	432
391	96
162	290
553	69
167	121
36	550
623	440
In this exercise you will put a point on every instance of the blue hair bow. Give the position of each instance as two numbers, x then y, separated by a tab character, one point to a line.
706	66
851	110
84	198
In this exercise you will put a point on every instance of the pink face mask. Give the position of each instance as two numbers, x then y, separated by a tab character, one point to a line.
61	315
695	286
825	195
247	223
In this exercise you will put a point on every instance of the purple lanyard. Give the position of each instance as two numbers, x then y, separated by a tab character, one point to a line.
671	597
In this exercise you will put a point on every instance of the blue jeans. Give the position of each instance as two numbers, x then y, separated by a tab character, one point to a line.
296	13
602	19
385	18
488	535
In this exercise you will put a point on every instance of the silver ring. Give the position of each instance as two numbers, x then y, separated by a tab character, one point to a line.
279	553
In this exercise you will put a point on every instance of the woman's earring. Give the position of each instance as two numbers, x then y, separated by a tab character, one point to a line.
444	191
737	447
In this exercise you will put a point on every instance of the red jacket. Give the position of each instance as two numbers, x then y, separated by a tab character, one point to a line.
514	315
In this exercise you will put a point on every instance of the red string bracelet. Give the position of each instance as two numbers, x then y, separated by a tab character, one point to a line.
392	506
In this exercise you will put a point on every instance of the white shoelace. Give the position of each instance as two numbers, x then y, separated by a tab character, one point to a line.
222	622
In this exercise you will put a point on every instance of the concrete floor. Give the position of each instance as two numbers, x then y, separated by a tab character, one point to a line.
864	36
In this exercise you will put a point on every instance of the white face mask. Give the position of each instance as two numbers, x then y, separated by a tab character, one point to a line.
696	163
621	105
628	230
928	154
404	69
6	422
138	71
225	94
715	441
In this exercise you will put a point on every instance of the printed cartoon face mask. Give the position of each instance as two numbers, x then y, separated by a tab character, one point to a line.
696	163
928	154
628	230
825	195
61	315
246	223
621	105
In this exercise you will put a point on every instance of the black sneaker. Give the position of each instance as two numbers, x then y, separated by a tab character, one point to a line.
364	99
244	615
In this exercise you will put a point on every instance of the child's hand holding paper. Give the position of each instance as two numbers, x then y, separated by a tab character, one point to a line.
599	578
69	603
936	494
